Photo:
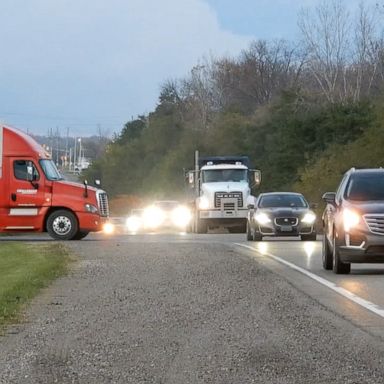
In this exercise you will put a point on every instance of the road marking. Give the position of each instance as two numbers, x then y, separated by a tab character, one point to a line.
342	291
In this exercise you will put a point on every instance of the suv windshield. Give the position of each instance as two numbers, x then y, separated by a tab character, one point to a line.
50	170
365	187
217	175
275	201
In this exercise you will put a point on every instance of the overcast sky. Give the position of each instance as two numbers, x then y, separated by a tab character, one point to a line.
80	64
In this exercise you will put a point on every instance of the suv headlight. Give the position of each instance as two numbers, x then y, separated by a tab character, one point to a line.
350	219
309	218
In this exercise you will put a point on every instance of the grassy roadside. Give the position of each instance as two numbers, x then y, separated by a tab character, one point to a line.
25	268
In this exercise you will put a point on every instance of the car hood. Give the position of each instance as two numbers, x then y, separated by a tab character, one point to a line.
284	211
366	207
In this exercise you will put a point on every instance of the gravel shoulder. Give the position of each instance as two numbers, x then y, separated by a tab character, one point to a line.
157	312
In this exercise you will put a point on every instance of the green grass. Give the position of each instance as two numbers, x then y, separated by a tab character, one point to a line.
25	268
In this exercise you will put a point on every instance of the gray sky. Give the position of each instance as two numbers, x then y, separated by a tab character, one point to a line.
78	64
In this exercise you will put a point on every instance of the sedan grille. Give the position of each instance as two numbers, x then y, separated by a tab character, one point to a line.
102	199
219	196
286	220
375	223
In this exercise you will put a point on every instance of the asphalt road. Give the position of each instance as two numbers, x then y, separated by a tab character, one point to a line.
170	308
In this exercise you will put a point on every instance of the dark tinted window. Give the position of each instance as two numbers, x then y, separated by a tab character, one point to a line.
367	186
20	170
275	201
218	175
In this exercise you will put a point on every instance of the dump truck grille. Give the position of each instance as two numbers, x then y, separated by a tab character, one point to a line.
219	196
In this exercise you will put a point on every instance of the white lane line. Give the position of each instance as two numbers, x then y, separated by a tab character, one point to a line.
342	291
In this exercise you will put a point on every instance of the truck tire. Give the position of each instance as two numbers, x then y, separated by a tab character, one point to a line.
80	235
62	225
201	226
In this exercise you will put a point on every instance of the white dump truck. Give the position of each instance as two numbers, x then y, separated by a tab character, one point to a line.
221	187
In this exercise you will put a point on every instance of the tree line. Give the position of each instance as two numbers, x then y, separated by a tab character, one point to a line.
303	111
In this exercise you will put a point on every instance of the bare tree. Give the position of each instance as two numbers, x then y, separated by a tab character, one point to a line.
326	38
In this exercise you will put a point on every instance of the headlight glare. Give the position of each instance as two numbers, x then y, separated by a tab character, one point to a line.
203	202
153	217
181	216
309	218
262	218
350	219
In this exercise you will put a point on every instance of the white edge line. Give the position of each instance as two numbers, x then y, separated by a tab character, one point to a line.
342	291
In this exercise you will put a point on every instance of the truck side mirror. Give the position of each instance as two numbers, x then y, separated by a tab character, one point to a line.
191	179
97	182
256	177
29	172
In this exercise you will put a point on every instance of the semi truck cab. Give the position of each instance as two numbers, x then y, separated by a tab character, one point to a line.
35	197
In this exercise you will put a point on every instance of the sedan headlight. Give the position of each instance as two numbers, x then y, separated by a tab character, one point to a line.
350	219
262	218
133	223
90	208
309	218
181	216
203	202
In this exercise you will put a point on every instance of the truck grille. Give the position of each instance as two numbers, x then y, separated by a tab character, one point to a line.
375	223
219	196
286	220
102	199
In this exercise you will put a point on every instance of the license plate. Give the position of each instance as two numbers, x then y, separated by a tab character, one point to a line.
286	228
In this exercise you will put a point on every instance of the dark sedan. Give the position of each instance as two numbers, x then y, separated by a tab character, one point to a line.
281	214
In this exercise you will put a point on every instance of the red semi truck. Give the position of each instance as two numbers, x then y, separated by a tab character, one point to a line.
35	197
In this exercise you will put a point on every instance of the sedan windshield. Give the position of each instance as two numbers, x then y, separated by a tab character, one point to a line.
50	170
365	187
283	200
218	175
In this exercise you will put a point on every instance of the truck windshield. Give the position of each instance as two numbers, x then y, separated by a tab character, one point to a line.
279	201
219	175
50	170
366	187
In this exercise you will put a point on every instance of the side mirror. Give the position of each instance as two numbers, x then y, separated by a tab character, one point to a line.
29	172
97	182
256	177
251	206
191	179
329	197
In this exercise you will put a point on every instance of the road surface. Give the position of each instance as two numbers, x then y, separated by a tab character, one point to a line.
174	308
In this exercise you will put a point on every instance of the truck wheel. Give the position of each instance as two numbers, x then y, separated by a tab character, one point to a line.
339	267
80	235
249	232
62	225
326	254
201	226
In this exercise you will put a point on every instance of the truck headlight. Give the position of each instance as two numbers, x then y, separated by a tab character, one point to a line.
350	219
203	202
262	218
108	228
309	218
181	216
90	208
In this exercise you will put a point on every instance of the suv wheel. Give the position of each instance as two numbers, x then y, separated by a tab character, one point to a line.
327	255
338	266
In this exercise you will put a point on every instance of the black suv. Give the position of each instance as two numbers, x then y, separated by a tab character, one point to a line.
353	221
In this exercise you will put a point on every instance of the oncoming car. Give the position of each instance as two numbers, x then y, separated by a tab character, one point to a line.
166	214
134	222
281	214
353	221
